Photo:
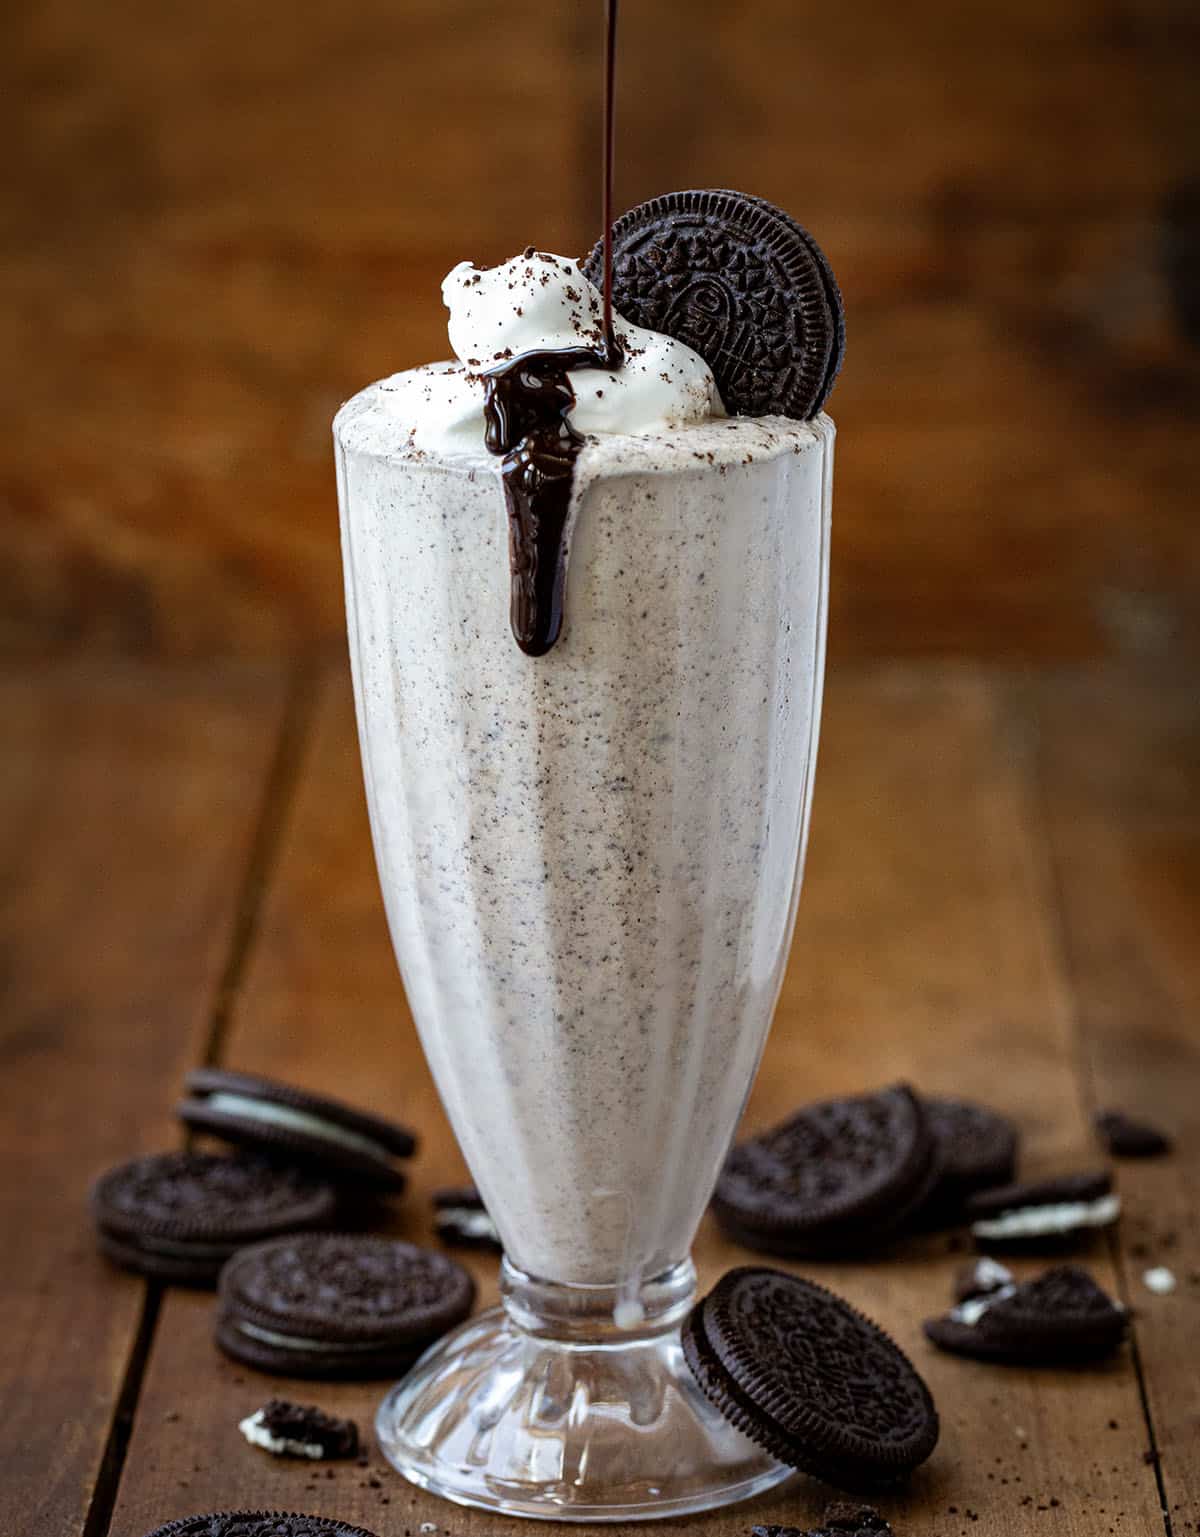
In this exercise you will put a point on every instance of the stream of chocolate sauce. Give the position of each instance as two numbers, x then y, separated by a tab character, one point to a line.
526	405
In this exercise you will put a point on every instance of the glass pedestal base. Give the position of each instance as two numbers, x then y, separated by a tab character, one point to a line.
571	1403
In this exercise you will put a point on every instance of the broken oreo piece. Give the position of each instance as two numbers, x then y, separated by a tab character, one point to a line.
1042	1212
1125	1137
810	1379
1062	1316
300	1430
742	284
838	1177
462	1221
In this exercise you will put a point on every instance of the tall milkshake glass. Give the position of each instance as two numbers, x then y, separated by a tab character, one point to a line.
590	861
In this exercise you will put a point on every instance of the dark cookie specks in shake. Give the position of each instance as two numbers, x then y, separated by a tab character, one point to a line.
587	603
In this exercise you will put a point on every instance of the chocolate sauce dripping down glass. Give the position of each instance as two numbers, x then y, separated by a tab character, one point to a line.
526	406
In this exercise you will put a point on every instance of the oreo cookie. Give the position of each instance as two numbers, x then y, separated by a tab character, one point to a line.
742	284
1125	1137
257	1523
1062	1316
977	1148
810	1379
329	1305
345	1144
462	1221
1041	1213
179	1216
837	1178
300	1430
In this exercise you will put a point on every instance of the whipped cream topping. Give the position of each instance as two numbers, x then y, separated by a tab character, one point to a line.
537	302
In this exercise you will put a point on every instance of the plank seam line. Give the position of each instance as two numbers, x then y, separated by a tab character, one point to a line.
278	793
120	1431
1049	876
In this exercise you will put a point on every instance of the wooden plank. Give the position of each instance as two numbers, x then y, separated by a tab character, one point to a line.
926	949
128	804
1120	766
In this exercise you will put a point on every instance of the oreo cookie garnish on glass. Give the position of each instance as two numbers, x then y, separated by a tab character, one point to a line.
810	1379
179	1216
743	285
1061	1316
838	1177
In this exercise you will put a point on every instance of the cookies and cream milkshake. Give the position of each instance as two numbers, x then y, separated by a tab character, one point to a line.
588	728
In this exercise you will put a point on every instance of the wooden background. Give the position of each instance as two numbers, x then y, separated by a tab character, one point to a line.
218	220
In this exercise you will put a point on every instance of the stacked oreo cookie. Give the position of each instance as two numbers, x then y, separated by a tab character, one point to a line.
295	1297
845	1176
300	1161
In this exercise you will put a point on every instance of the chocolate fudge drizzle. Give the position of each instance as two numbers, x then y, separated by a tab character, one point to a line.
526	405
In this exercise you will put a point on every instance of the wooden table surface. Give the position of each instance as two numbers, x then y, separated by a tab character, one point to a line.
1001	901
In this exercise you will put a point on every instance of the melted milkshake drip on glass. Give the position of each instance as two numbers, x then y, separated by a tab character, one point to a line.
587	618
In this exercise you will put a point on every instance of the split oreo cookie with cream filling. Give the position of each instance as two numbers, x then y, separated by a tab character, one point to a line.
345	1144
1043	1213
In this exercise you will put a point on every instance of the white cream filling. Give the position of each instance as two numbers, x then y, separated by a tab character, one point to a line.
468	1221
299	1342
991	1274
1057	1217
1159	1279
257	1434
973	1309
291	1119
